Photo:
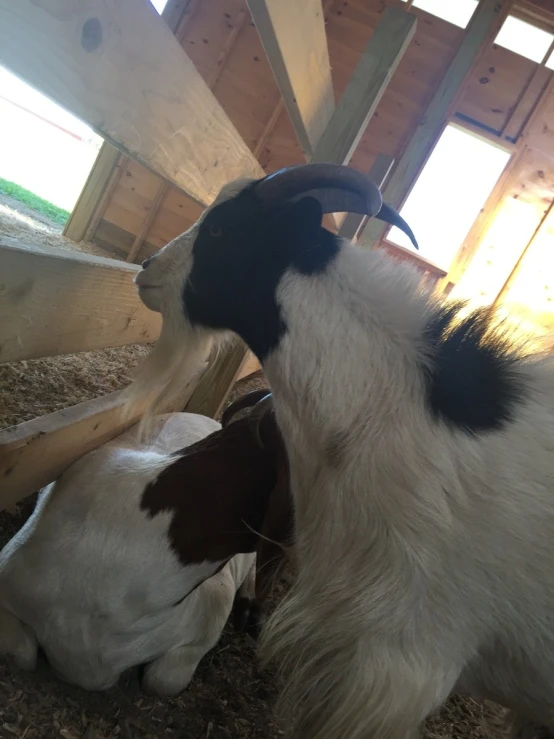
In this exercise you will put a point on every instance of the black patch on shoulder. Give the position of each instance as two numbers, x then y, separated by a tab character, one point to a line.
472	381
241	252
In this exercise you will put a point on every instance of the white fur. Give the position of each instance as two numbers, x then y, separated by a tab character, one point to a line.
424	555
93	579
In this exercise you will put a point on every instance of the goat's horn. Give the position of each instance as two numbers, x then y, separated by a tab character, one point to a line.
262	407
246	401
337	188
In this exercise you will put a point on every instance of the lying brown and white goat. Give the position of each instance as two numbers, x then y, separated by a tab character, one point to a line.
135	554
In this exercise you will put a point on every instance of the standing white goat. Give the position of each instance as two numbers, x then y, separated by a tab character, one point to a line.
421	450
100	579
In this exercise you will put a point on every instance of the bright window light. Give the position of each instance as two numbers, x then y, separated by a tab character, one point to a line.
451	190
159	5
457	12
43	148
524	39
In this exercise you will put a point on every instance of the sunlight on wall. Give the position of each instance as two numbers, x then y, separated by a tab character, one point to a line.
451	190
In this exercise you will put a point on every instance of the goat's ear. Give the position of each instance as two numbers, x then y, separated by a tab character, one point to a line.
300	222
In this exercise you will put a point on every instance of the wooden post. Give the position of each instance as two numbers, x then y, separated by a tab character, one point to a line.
293	36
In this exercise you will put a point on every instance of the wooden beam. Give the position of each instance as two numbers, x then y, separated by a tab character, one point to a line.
482	27
294	39
36	452
117	66
369	81
57	301
90	206
379	172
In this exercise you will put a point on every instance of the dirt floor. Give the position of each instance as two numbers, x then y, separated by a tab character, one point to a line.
229	696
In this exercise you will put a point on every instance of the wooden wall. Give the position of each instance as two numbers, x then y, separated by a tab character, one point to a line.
220	38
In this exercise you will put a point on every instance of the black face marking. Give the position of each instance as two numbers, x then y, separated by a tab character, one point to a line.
239	256
473	382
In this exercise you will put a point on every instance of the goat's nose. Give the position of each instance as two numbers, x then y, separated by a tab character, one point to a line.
146	262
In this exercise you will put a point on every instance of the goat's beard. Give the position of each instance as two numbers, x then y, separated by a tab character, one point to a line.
166	378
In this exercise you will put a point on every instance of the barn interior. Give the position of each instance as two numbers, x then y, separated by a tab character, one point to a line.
447	104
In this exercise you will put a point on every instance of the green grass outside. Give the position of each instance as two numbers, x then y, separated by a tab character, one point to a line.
58	215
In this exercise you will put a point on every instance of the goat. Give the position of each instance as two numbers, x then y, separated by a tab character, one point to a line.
134	555
420	443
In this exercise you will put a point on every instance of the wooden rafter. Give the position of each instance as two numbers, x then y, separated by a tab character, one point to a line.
294	39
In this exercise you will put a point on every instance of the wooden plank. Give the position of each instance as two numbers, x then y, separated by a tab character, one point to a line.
89	208
366	87
379	172
484	23
91	194
293	36
157	109
57	301
36	452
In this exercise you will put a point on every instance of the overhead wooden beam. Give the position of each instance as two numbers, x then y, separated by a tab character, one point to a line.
294	39
117	66
482	27
88	208
365	89
36	452
352	224
56	301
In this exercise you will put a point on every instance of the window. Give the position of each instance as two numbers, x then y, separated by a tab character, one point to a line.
457	12
525	39
159	5
451	190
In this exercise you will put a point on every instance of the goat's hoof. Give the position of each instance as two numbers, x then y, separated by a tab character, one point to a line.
248	617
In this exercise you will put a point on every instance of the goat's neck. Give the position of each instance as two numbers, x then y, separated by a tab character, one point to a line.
353	343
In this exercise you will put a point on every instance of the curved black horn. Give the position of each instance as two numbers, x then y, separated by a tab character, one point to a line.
245	401
337	188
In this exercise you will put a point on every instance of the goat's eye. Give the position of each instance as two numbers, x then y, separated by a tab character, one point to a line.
215	229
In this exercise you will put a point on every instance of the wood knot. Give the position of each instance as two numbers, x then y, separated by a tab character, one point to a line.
91	36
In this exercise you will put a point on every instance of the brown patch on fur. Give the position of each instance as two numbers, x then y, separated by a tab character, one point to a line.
218	491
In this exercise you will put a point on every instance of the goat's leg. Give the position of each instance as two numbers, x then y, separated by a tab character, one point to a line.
205	613
17	641
246	607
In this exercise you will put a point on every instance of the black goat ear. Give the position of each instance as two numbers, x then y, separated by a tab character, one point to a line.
300	222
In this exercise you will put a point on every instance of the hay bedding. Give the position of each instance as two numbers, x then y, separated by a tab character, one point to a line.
229	696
